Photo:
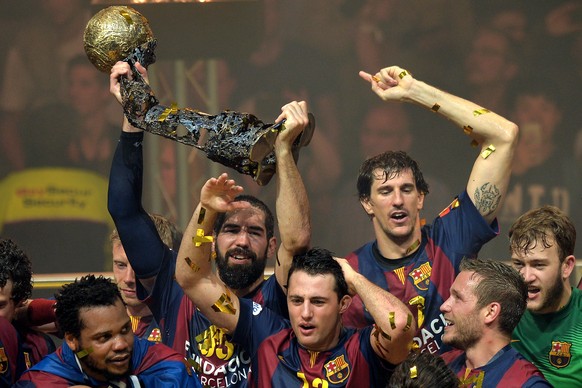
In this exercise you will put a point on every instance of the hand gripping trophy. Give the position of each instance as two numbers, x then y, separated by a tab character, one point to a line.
237	140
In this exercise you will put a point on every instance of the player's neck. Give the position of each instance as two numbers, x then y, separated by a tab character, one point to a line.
484	350
392	248
139	311
242	292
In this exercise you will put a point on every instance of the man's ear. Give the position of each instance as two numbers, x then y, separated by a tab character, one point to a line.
345	303
72	342
568	266
421	197
272	246
491	312
365	202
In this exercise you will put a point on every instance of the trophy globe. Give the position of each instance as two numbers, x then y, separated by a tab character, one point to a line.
114	33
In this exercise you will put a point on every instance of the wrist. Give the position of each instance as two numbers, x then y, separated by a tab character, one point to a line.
127	127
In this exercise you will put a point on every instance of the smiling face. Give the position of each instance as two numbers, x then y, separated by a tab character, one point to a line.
314	310
106	335
394	205
242	248
464	327
545	276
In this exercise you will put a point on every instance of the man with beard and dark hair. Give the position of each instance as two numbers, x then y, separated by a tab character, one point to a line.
542	243
99	348
487	301
243	242
241	277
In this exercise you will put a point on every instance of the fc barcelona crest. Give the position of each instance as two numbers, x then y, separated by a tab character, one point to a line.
421	276
559	354
155	335
337	370
3	361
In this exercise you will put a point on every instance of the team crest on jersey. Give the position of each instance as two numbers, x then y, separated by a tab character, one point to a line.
559	354
155	335
421	276
337	370
3	361
448	209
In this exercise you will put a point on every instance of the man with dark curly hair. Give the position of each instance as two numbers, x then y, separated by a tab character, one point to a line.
15	289
99	347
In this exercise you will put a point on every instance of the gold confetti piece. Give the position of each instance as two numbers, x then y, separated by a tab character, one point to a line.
171	110
192	264
201	215
224	304
488	151
127	16
212	256
435	108
403	74
419	302
391	319
194	365
467	129
474	143
378	331
481	111
84	353
387	336
200	238
413	247
413	346
413	372
408	322
376	78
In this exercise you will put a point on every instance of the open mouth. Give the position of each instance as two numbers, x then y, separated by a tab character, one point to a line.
398	215
120	360
306	329
241	256
532	292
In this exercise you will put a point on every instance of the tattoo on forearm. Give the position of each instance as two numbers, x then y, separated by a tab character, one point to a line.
487	198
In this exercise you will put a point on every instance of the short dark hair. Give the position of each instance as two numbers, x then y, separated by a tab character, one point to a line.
543	225
16	266
392	163
256	203
88	291
168	231
421	370
319	261
498	282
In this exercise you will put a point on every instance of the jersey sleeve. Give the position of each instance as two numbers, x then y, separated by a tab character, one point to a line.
273	297
255	324
461	230
139	237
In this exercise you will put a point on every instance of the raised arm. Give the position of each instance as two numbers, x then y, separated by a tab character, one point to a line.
495	135
137	232
395	326
194	263
293	214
